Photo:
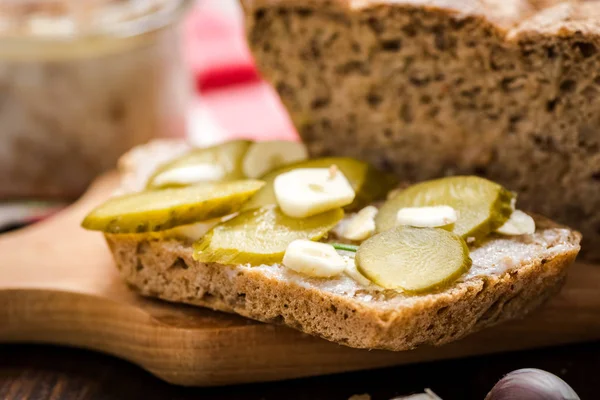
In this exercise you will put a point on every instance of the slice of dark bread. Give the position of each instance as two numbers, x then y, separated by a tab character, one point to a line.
508	89
510	276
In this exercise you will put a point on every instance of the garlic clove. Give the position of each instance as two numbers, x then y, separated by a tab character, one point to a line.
319	260
354	273
305	192
531	384
361	226
519	223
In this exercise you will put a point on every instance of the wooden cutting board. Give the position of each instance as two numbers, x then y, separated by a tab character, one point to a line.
58	285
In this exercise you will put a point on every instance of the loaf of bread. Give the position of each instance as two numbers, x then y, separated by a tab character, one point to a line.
507	89
510	276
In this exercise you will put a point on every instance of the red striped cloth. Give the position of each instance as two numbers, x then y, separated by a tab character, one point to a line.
216	48
226	77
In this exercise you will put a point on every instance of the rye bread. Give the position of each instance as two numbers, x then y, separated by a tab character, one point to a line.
509	278
508	89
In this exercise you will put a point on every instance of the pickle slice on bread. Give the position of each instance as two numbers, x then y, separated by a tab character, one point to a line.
228	156
368	183
158	210
261	236
413	259
482	205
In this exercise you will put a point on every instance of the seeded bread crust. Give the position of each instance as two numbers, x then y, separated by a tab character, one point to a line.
508	89
166	270
531	270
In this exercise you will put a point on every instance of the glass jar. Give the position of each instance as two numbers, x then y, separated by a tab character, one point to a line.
81	82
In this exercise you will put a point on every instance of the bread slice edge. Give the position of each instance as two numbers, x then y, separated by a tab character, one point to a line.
166	270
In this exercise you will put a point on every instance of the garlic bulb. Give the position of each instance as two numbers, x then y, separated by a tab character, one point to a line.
531	384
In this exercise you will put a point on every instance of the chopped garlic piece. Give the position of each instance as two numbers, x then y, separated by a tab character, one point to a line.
519	223
513	203
305	192
193	231
319	260
190	175
263	157
354	273
427	217
361	226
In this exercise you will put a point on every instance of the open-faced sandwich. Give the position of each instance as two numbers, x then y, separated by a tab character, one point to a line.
329	246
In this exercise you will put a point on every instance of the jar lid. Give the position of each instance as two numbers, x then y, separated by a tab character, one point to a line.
69	19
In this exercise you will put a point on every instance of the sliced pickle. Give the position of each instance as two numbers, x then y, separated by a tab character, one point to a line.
158	210
413	259
261	236
482	205
369	183
228	155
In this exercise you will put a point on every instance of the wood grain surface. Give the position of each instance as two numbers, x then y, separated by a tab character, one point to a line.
29	372
58	285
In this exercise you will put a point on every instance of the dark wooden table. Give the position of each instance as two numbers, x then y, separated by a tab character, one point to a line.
45	372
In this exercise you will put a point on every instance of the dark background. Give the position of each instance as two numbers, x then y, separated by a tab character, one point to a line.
45	372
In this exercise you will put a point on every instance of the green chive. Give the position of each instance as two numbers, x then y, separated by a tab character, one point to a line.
346	247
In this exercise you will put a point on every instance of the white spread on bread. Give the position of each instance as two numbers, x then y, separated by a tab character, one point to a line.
506	254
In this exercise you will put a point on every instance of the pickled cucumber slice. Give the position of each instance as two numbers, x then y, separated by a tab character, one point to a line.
369	183
228	155
261	236
482	205
413	259
159	210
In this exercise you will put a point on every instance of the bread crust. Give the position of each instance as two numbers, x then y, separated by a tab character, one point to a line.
505	14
